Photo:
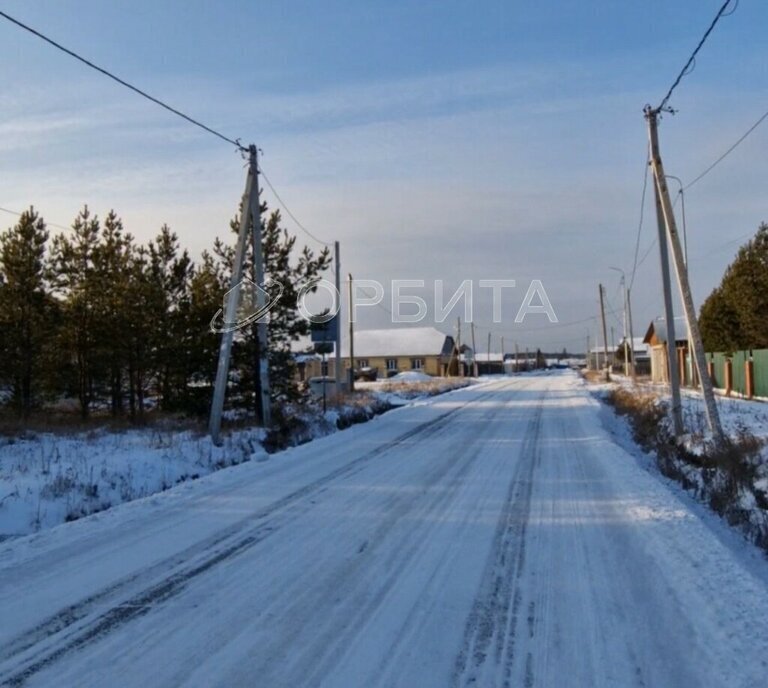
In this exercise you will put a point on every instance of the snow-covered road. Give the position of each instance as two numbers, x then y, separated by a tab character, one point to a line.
495	536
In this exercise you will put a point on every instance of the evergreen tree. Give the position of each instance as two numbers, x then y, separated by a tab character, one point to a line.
171	271
286	326
735	315
200	346
111	257
25	308
73	269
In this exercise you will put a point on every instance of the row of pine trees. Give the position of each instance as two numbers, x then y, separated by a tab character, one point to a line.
735	315
91	314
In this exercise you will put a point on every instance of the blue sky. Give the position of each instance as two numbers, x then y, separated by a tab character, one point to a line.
435	140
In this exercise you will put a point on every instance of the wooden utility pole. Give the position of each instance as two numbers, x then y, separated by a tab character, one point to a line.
662	191
626	329
631	336
517	359
474	351
503	368
458	347
249	213
605	335
337	357
589	357
351	309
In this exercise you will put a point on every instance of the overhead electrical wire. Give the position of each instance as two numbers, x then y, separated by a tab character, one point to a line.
157	101
642	215
47	224
289	213
730	150
692	59
122	82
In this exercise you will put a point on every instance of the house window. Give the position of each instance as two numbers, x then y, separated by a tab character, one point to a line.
362	363
417	363
391	364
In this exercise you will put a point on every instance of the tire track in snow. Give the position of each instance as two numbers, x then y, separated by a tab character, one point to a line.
489	635
330	643
71	628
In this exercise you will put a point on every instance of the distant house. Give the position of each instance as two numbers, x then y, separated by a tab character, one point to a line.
640	350
657	339
397	350
487	363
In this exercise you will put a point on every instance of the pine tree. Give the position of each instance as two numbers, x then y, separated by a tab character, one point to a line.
25	308
73	269
286	326
111	275
171	271
735	315
199	344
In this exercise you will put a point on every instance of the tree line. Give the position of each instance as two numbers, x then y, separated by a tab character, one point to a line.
93	314
734	316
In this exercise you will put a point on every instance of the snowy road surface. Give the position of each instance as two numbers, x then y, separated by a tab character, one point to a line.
496	536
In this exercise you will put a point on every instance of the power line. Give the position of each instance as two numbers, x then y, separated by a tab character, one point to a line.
729	151
647	252
122	82
692	59
288	211
47	224
640	223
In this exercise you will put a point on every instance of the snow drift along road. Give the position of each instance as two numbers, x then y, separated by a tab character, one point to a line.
496	536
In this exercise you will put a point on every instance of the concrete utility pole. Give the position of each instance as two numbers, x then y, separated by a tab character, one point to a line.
351	308
265	404
669	315
713	417
517	359
489	350
337	357
474	351
249	212
589	363
605	335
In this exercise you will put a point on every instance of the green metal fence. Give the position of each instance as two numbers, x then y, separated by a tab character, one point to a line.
738	361
759	358
760	369
718	360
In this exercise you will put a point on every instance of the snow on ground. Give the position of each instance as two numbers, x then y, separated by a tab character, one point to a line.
736	414
736	486
496	536
47	479
411	376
